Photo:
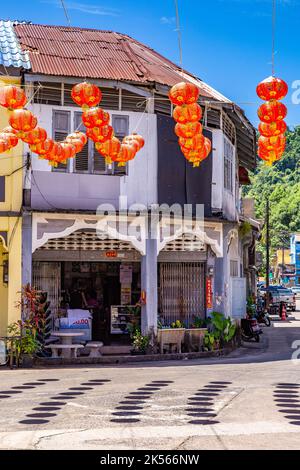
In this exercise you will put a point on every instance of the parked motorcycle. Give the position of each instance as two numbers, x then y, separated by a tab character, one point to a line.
263	317
250	329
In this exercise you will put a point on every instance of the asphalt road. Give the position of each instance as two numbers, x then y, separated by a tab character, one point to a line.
248	400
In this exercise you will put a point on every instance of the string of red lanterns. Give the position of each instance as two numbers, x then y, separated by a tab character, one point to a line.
187	113
98	129
272	128
23	125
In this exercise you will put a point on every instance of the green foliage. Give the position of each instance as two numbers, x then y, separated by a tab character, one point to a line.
23	338
198	322
222	330
140	343
177	324
281	183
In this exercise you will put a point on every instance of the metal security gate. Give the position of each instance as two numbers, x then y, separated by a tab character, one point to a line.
47	278
182	291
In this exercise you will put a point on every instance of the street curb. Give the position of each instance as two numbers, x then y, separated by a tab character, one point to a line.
130	359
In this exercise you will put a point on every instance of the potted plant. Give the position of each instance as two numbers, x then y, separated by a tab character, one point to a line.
24	342
140	342
221	331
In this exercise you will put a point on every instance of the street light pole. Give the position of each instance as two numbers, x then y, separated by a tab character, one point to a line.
267	251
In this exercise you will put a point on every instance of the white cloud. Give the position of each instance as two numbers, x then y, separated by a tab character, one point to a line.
85	8
167	19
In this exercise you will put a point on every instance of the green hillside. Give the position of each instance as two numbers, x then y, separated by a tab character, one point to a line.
282	183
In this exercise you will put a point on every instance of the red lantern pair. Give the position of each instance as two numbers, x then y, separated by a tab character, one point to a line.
271	143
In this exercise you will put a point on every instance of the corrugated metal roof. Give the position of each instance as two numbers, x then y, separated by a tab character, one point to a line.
11	54
90	53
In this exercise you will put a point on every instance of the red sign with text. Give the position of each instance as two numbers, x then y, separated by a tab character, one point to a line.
209	294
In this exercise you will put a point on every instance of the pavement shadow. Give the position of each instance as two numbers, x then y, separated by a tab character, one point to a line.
286	397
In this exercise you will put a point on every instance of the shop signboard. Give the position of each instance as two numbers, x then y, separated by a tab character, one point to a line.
209	296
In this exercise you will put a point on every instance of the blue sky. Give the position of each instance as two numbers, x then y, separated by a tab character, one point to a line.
227	43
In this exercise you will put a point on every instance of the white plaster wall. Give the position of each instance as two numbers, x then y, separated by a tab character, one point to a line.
140	185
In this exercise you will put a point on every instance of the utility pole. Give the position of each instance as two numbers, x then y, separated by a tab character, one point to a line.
267	251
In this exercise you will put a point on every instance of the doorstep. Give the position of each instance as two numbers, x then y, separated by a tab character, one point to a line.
123	359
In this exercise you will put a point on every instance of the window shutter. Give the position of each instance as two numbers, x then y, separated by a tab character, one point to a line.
121	128
99	163
61	128
82	158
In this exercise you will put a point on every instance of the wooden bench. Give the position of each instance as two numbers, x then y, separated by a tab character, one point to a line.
95	348
64	347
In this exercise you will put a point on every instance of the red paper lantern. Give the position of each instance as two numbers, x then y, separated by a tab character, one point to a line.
187	113
77	135
55	155
12	97
272	129
134	139
43	148
86	94
4	145
22	120
272	88
100	134
11	139
188	130
35	136
95	117
272	143
184	93
109	149
198	155
127	152
195	143
272	111
68	150
269	156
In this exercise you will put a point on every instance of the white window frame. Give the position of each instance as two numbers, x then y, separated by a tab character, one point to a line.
229	165
70	168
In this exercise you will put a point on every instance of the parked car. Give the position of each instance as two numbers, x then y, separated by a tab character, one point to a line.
296	291
280	294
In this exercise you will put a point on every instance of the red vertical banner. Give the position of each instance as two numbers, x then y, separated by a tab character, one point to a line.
209	294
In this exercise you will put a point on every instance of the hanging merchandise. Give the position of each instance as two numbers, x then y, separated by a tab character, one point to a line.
12	97
187	114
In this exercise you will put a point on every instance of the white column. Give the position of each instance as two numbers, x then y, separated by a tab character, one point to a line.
149	285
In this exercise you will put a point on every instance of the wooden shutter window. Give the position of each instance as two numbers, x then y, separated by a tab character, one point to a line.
61	128
121	128
81	159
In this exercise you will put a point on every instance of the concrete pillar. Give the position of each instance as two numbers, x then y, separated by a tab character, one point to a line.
149	285
26	249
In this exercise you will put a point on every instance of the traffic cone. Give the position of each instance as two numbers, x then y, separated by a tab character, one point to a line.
283	312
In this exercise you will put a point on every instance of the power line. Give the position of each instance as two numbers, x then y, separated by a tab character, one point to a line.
66	12
178	33
273	35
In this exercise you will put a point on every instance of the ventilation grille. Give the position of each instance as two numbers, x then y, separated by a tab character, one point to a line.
228	128
185	243
49	93
86	241
162	105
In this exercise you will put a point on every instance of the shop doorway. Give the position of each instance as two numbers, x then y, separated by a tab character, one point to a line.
108	290
181	292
